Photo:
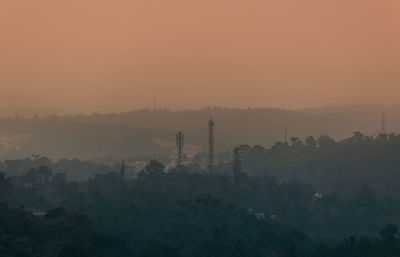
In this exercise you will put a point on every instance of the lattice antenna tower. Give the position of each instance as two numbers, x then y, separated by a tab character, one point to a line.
179	143
285	134
211	154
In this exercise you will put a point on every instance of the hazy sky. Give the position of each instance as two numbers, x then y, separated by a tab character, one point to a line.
114	55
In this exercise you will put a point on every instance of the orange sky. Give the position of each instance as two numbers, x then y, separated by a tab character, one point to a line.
103	55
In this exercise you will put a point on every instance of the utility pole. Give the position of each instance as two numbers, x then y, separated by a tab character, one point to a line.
211	157
122	170
383	131
179	144
237	171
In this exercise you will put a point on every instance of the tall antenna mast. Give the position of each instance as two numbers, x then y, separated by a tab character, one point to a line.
285	134
179	144
211	157
383	124
237	170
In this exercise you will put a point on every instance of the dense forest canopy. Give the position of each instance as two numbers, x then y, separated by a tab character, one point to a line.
331	166
58	234
312	198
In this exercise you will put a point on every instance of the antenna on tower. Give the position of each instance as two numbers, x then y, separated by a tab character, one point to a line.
211	157
179	144
383	129
237	170
285	134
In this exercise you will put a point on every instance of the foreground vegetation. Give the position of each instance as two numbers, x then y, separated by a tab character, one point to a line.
59	233
191	212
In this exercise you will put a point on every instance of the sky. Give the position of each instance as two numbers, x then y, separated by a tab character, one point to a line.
83	56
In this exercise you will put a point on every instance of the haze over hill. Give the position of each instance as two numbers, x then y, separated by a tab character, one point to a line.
152	132
303	159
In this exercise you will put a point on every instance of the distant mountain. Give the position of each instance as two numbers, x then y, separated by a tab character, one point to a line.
137	133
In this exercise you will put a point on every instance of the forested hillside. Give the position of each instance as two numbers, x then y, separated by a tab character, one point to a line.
329	165
185	213
316	197
149	132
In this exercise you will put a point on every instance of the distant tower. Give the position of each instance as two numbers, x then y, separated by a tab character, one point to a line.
211	157
179	144
122	170
285	134
237	170
155	103
383	131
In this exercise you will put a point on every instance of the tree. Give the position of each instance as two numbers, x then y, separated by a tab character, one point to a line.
5	184
311	143
40	175
388	232
326	143
154	167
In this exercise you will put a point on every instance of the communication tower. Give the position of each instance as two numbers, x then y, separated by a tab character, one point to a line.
285	134
179	144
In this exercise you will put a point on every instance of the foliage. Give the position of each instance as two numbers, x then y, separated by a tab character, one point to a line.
60	233
324	191
330	166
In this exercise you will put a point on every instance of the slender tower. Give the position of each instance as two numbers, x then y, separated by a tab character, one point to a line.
237	170
122	170
383	124
155	103
179	144
211	157
285	134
